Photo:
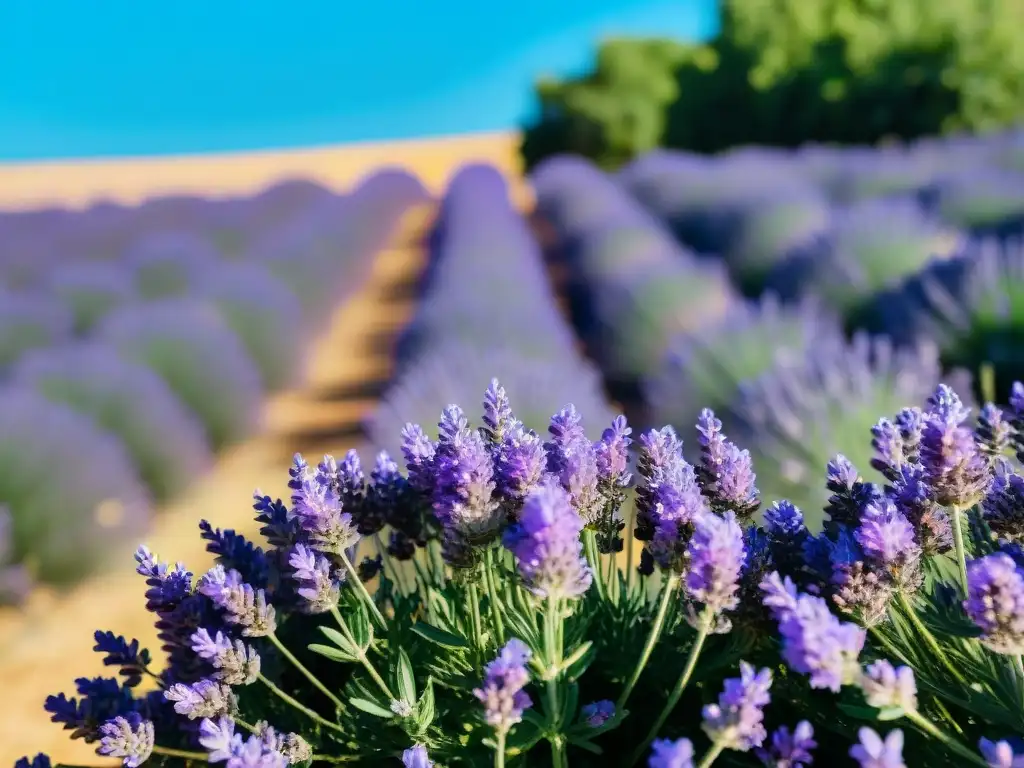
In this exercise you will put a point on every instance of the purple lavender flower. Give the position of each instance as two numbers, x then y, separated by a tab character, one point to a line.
572	458
613	455
416	757
859	585
955	467
790	749
726	473
39	761
242	605
497	413
217	737
292	746
1000	754
850	494
913	497
418	451
318	508
995	601
872	752
737	720
785	534
235	662
129	737
715	556
887	538
671	754
597	713
317	579
258	751
519	462
502	691
910	422
814	641
547	546
203	699
1017	418
994	431
1003	505
463	495
887	686
890	454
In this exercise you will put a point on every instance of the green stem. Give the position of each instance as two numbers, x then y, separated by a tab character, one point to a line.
553	654
182	753
474	602
361	589
300	706
677	692
630	543
958	543
711	755
492	595
437	563
1018	666
590	547
893	650
370	670
652	639
948	741
499	752
929	638
309	675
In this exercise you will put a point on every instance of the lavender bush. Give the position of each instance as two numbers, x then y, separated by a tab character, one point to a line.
73	493
165	264
202	360
891	638
166	442
984	201
29	321
90	290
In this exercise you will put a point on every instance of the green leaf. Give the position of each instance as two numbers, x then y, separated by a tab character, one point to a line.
341	641
890	713
372	708
576	664
585	744
360	626
438	636
572	700
425	707
333	654
406	678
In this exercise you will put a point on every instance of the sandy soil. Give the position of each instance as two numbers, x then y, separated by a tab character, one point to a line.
129	180
45	647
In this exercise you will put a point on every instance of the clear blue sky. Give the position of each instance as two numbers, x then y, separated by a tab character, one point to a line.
126	77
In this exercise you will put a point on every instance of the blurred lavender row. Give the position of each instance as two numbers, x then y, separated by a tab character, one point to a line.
487	310
136	342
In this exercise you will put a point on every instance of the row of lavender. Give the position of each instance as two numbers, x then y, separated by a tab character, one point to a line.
487	310
137	342
749	283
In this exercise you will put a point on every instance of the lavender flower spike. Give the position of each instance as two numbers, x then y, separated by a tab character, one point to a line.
573	459
1000	754
872	752
995	602
886	686
318	508
502	690
790	749
317	585
243	606
292	746
737	720
598	713
726	473
416	757
671	754
129	737
547	546
202	699
235	662
613	455
716	555
955	467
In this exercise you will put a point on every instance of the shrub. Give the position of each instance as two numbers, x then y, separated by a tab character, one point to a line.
202	360
784	73
165	264
521	630
164	439
28	321
91	291
72	491
984	202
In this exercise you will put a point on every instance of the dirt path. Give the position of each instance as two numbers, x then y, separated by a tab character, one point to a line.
44	648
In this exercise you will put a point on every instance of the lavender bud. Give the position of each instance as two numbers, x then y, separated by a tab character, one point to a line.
889	451
418	451
859	586
887	538
235	662
572	458
316	576
416	757
994	431
737	720
498	416
726	473
520	462
956	469
317	506
202	699
128	737
671	754
790	749
913	497
872	752
598	713
1000	754
291	746
715	557
887	686
502	690
217	737
1003	505
242	605
995	602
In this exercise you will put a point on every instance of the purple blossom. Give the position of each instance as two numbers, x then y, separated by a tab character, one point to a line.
1003	505
872	752
242	605
416	757
1000	754
519	462
726	473
671	754
995	601
317	506
573	459
737	720
235	662
217	736
955	467
715	556
316	576
128	737
890	455
292	746
418	451
502	691
203	699
39	761
546	544
886	536
790	749
994	431
850	494
1017	418
912	495
887	686
910	422
498	416
814	641
598	713
613	454
859	585
224	745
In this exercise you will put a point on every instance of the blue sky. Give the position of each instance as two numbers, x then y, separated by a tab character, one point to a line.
123	77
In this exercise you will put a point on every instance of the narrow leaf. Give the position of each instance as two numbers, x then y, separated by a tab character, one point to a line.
406	678
372	708
333	654
438	636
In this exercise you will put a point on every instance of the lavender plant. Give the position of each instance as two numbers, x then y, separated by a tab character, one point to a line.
202	360
166	442
90	290
984	201
72	491
29	321
892	637
165	264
